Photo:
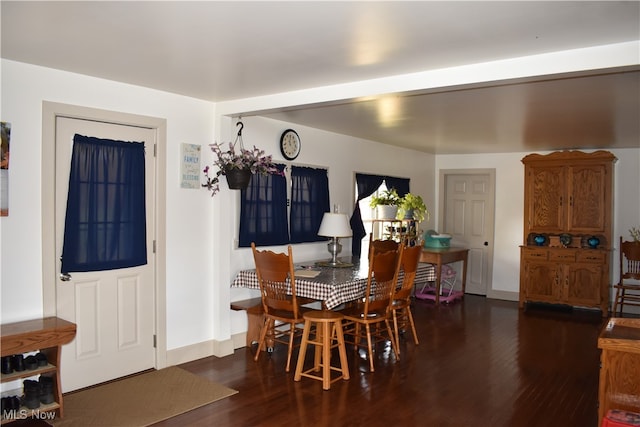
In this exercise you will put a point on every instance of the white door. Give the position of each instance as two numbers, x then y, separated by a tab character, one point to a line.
468	216
113	310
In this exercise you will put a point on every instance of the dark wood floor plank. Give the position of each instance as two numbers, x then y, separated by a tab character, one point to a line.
480	362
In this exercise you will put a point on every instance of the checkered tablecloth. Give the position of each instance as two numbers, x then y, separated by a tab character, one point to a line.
333	286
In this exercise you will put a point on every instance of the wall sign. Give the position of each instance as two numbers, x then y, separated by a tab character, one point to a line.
190	166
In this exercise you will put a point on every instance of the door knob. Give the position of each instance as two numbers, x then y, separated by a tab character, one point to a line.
486	243
65	277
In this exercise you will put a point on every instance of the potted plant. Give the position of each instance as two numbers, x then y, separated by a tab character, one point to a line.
238	166
635	234
412	206
386	204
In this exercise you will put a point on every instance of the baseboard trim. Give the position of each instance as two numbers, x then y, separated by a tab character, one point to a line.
504	295
200	350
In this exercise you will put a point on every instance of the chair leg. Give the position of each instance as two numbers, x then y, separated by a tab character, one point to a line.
413	325
317	350
369	346
396	333
263	333
303	350
292	333
394	347
326	356
344	366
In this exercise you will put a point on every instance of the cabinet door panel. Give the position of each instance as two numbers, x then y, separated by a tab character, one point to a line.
541	281
586	212
546	199
584	284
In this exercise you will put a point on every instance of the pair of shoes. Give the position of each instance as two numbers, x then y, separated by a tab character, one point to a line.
30	363
31	397
10	404
18	362
46	390
7	364
42	359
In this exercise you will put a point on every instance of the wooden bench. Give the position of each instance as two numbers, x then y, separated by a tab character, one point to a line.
255	318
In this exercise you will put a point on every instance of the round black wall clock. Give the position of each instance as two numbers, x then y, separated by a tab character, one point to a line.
290	144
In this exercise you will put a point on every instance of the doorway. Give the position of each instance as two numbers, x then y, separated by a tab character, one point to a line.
467	211
120	314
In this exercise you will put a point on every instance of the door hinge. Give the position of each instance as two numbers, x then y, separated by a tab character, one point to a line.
154	246
155	150
155	341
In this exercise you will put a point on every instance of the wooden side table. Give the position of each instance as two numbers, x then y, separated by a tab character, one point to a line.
440	256
46	335
619	386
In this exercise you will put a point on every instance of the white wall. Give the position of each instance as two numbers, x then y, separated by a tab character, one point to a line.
201	255
343	156
189	212
510	202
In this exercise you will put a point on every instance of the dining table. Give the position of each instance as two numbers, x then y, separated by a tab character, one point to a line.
333	286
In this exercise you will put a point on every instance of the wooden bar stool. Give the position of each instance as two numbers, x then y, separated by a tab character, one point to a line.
328	336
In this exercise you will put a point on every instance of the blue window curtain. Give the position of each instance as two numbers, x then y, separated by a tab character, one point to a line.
366	185
400	184
309	202
105	223
263	211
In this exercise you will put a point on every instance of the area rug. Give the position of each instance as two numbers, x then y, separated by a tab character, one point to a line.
140	400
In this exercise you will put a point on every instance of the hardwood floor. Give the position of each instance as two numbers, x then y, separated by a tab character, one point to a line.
480	362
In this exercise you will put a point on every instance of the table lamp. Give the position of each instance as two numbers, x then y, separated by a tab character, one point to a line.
335	225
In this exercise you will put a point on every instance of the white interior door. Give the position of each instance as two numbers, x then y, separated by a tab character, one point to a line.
468	216
113	310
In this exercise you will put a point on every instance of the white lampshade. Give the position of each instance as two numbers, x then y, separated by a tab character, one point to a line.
334	225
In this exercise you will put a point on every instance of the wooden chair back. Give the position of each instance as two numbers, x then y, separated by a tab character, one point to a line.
275	272
409	265
384	245
384	268
629	260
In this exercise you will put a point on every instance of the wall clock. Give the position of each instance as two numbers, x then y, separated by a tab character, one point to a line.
290	144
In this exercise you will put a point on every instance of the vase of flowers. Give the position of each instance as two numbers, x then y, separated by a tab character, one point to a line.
238	165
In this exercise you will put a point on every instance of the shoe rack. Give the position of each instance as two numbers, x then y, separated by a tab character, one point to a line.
47	336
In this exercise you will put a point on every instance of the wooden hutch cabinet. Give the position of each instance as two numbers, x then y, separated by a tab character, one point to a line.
567	203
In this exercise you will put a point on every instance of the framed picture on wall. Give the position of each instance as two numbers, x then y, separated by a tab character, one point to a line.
5	130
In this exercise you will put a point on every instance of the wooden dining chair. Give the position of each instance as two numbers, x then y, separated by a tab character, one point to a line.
276	277
380	245
370	319
628	292
401	304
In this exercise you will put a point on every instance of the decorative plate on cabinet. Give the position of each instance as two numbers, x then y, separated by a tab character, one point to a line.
565	239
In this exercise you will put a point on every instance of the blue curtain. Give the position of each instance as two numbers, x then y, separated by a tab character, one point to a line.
263	211
400	184
309	202
105	223
366	185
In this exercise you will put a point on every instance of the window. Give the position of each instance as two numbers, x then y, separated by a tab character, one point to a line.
309	202
105	223
263	207
366	185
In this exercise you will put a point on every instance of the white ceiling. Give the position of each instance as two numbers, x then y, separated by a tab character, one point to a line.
221	51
